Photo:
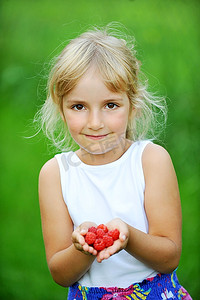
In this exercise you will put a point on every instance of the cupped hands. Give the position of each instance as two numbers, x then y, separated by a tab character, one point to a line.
78	239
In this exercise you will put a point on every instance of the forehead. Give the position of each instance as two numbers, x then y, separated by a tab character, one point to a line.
91	84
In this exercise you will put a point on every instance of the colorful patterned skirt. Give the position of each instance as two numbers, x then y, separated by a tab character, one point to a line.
162	286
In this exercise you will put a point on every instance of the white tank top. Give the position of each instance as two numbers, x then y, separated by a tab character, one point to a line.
101	193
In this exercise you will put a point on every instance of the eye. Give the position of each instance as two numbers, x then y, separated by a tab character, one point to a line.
111	105
78	107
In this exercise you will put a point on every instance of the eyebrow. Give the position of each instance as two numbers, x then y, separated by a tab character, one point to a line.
84	101
75	101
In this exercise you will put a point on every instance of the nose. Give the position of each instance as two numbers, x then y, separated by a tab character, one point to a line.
95	120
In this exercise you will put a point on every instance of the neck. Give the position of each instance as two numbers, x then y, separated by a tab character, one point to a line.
104	158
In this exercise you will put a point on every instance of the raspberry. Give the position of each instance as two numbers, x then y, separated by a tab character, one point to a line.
114	234
100	232
108	240
90	238
100	237
99	244
92	229
104	227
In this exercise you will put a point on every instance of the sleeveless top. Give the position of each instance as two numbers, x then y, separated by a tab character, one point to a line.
100	193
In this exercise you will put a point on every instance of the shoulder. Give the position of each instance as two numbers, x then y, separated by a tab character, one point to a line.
49	171
156	158
49	184
154	153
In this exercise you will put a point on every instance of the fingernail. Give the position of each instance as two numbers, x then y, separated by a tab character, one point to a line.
123	237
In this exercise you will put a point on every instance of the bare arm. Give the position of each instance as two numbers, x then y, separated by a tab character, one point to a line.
161	247
65	262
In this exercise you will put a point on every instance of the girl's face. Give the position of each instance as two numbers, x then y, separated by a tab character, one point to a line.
97	119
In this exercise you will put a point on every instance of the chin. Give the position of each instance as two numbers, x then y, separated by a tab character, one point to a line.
98	151
103	149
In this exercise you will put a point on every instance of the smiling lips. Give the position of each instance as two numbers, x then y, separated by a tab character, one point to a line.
96	137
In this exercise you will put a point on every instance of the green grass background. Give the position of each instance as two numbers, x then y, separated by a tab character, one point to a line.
32	33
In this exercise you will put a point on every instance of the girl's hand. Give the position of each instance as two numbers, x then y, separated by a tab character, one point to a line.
79	241
119	244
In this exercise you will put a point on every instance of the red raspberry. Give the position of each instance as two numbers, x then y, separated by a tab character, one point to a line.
99	244
100	232
108	240
92	229
114	233
90	238
104	227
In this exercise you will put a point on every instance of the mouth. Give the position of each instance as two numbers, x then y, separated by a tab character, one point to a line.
96	137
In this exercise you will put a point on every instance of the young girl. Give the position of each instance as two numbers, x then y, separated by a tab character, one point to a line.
116	177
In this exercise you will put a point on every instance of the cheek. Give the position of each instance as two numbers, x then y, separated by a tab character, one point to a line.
119	122
74	124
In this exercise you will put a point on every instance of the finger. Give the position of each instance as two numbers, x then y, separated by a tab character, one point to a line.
89	249
122	237
92	251
87	253
83	231
107	252
86	247
78	246
104	254
80	230
101	257
76	237
116	247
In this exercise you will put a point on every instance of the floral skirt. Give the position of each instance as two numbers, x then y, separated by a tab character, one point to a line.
162	286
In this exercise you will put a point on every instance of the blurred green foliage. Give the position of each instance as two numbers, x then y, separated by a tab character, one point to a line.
32	33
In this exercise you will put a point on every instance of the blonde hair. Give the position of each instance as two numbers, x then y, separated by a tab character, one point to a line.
115	59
